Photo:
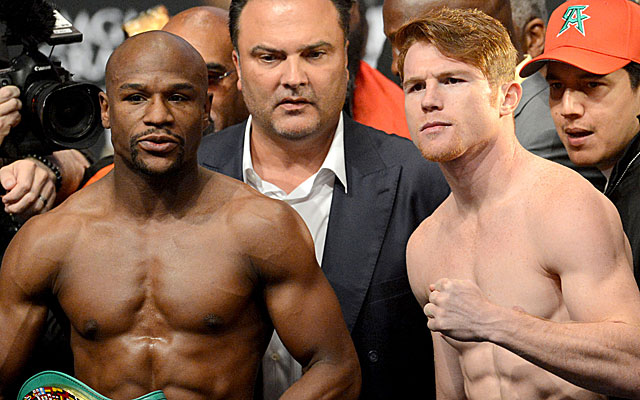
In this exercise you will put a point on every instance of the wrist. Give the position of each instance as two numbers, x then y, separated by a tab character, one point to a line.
505	325
54	168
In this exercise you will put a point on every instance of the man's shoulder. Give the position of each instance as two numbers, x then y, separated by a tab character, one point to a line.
243	206
42	243
562	202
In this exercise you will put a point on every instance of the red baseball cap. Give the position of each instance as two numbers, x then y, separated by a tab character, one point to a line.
598	36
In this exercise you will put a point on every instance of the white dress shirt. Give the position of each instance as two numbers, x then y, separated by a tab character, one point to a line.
312	200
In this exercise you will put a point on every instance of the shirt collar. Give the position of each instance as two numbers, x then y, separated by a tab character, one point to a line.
518	78
334	161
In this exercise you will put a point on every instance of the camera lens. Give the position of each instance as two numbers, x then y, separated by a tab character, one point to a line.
69	113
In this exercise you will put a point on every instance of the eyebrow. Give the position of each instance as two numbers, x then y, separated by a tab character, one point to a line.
140	86
301	49
444	74
584	75
215	66
410	81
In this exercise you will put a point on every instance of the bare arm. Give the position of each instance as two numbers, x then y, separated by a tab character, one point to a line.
585	247
24	279
72	165
449	378
306	313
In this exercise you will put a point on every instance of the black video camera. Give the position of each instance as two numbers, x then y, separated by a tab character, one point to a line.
57	112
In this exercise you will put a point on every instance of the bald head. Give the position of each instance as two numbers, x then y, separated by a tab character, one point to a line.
398	12
155	51
200	26
207	30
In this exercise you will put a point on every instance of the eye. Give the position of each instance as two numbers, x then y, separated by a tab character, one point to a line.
134	98
415	87
315	54
451	81
267	58
555	85
594	84
178	98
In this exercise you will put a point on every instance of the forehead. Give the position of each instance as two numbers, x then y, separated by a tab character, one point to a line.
288	23
424	59
154	65
566	72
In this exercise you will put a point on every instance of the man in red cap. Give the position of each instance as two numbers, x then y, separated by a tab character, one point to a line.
592	54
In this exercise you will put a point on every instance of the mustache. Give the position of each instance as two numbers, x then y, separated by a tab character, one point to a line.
150	131
305	94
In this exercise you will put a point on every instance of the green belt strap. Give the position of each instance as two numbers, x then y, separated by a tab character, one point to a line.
53	385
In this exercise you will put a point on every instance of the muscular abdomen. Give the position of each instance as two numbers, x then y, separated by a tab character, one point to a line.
493	373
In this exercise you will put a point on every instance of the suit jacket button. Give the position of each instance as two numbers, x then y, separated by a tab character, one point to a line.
373	356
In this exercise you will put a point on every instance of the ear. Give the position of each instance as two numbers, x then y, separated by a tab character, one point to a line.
104	110
533	35
207	108
636	94
512	93
346	57
236	62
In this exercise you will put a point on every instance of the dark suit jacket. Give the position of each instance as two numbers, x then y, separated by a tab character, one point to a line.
391	189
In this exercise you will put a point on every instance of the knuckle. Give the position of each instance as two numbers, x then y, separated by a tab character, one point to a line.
30	197
14	103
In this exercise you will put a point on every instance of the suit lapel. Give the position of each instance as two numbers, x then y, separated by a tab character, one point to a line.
358	221
224	154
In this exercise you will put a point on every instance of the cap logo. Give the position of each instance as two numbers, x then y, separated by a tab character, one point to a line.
574	17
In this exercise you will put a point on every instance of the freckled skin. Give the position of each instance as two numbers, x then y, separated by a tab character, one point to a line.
172	277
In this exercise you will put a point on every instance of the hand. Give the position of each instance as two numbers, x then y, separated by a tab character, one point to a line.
459	310
10	106
30	186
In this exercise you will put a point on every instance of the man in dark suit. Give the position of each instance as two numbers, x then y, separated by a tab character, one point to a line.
360	191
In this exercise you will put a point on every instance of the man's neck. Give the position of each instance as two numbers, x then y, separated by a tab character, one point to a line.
155	196
483	174
288	162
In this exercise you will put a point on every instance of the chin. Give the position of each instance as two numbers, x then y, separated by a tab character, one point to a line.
440	154
583	159
162	168
297	130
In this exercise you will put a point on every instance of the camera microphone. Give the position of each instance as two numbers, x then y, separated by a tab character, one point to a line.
29	22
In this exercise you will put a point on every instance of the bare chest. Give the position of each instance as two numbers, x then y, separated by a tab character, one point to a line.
501	256
178	277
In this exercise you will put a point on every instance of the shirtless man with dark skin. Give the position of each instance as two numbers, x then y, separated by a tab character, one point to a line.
524	270
173	277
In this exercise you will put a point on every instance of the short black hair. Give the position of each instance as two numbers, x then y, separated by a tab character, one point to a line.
236	7
633	68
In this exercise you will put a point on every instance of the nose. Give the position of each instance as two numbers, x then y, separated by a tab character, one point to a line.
157	112
431	99
294	74
572	106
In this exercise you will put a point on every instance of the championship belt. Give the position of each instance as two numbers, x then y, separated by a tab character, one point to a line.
53	385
